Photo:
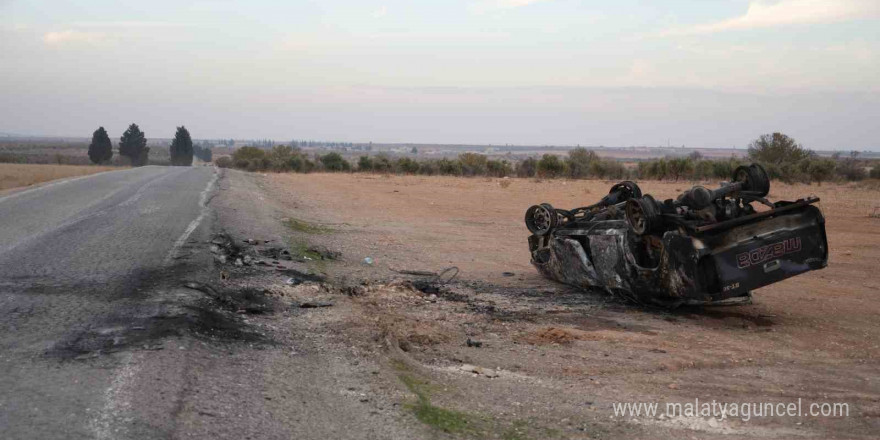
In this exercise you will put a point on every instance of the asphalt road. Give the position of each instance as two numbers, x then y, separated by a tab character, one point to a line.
80	261
101	339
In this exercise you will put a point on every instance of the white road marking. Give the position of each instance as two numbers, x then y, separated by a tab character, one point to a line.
137	195
203	203
111	421
113	418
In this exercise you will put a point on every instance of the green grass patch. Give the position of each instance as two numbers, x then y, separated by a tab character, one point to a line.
306	227
401	366
460	423
453	422
299	250
447	420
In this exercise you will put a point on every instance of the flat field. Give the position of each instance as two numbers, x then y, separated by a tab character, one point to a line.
563	356
21	175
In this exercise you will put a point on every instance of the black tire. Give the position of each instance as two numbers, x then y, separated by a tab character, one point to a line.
630	190
642	215
541	219
754	179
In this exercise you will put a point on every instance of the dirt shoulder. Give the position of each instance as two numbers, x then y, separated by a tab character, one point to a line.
547	361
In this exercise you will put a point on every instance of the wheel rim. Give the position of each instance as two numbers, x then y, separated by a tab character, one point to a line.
635	216
541	219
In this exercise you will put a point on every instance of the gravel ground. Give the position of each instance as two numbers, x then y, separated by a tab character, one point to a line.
551	361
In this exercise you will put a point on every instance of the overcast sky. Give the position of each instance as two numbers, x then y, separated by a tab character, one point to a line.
701	73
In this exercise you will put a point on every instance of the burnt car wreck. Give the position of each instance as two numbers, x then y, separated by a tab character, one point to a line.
705	247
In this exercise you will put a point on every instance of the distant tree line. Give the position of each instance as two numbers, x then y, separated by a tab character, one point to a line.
781	156
133	146
332	145
580	163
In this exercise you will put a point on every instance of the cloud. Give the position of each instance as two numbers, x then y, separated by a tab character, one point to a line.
765	14
640	71
131	24
482	6
71	36
94	32
381	12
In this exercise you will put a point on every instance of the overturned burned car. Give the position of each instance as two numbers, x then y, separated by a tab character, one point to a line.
705	247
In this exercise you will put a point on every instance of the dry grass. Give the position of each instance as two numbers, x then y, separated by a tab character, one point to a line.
19	175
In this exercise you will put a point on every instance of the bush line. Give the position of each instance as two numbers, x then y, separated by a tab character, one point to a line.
580	163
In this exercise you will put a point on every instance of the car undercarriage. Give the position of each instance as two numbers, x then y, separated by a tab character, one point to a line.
707	246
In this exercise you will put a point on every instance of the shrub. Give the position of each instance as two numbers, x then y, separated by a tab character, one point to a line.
579	162
406	165
654	169
223	162
644	169
777	149
819	170
472	164
284	158
527	168
449	167
659	169
365	163
687	168
307	165
429	168
781	156
723	169
703	169
850	168
251	159
333	161
499	168
297	163
680	167
608	169
382	164
550	166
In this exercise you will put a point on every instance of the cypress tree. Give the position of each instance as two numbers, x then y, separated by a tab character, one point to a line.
133	145
182	148
101	149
